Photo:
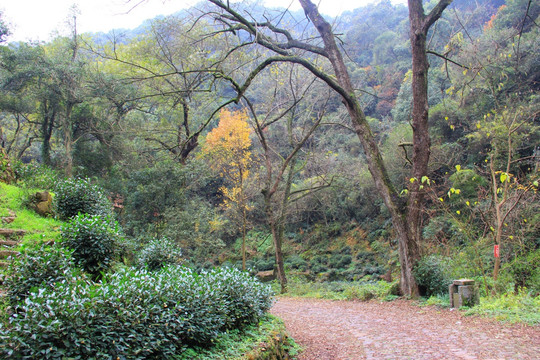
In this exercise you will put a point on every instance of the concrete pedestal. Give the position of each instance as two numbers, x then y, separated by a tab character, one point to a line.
462	293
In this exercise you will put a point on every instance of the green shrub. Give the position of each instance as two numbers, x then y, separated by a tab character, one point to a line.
365	257
36	176
159	253
367	291
93	239
74	196
243	297
344	262
346	250
265	264
525	272
468	181
134	314
296	262
318	268
41	267
431	274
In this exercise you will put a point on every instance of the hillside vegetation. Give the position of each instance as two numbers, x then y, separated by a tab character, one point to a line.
60	301
229	138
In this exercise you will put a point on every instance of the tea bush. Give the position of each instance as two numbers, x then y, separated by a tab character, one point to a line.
296	262
338	261
93	239
245	300
34	175
75	196
265	264
41	267
371	290
158	253
134	314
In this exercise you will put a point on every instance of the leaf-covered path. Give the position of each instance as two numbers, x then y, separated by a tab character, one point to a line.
345	330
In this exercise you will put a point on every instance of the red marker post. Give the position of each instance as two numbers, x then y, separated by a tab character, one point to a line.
496	251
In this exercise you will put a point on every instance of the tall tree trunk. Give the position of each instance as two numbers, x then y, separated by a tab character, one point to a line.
407	220
47	126
6	174
274	228
68	142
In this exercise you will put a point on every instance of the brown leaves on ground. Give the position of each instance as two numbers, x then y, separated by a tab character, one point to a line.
346	330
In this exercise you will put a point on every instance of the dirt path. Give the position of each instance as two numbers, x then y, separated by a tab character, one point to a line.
344	330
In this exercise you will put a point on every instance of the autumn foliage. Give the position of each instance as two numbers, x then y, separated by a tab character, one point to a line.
229	148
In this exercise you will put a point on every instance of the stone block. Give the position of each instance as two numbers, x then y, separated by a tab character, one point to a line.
463	282
462	293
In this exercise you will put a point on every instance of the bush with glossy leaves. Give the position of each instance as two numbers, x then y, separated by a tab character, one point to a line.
74	196
41	267
134	314
158	253
94	240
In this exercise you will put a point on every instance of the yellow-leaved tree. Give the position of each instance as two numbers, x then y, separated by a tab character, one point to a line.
228	147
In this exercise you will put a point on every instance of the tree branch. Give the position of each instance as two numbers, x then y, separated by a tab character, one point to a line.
435	14
447	59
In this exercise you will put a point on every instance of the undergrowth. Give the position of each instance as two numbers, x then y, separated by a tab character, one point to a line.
343	290
510	307
442	301
234	344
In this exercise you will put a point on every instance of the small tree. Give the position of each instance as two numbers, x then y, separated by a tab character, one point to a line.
228	147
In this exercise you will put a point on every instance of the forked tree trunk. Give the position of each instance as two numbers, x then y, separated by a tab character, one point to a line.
407	220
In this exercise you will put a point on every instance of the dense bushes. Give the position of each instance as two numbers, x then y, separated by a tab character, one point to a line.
431	274
41	267
35	175
75	196
134	314
93	239
159	252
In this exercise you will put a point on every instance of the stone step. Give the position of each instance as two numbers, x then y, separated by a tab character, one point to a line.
5	254
9	233
8	219
9	243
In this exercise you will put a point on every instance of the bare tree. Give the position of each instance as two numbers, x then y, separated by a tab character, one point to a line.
282	164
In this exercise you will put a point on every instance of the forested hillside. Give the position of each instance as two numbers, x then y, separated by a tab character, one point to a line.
226	133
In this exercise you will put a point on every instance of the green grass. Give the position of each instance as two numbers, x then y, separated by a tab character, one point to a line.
520	307
442	301
12	200
342	290
234	345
